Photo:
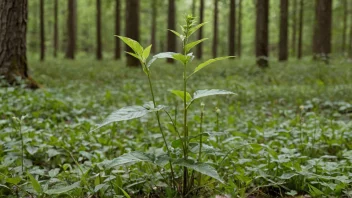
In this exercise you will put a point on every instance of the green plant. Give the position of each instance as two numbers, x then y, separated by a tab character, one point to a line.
132	112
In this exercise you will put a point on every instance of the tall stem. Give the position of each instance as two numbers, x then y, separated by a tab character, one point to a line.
160	128
185	126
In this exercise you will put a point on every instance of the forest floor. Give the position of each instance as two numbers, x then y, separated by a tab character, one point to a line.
287	132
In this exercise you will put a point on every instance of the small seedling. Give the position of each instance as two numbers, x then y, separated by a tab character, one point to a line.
189	165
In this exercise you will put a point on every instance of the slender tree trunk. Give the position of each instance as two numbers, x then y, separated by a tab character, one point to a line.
344	30
193	7
239	29
294	27
132	28
300	30
117	30
262	33
99	44
56	31
154	16
215	30
350	45
42	32
13	28
324	20
283	50
232	28
199	51
71	27
171	25
315	32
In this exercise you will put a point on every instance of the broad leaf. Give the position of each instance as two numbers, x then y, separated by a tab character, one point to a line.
208	62
146	52
203	168
129	158
161	55
134	55
189	46
134	45
35	184
210	92
14	180
128	113
195	28
180	94
63	189
184	59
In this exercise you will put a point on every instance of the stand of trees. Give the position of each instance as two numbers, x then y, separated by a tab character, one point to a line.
297	17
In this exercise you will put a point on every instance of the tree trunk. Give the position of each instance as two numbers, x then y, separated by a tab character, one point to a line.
199	51
350	45
154	16
71	27
315	32
232	28
215	30
294	27
193	7
239	29
344	30
13	27
42	33
262	33
117	30
171	37
300	30
132	28
99	44
283	50
56	33
323	37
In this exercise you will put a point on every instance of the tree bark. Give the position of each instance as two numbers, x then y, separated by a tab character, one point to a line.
283	50
99	43
171	37
199	51
323	37
132	28
262	33
154	16
232	28
294	27
42	32
239	29
350	45
56	32
193	7
215	30
71	27
300	30
13	28
315	32
117	30
344	30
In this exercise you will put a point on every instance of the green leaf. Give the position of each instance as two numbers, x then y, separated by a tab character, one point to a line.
195	28
208	62
14	180
32	149
35	184
203	168
134	45
128	113
129	158
314	191
124	192
134	55
189	46
159	56
146	52
210	92
184	59
180	94
176	33
63	189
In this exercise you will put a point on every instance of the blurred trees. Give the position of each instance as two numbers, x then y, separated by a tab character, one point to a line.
78	27
283	48
132	28
171	25
262	33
